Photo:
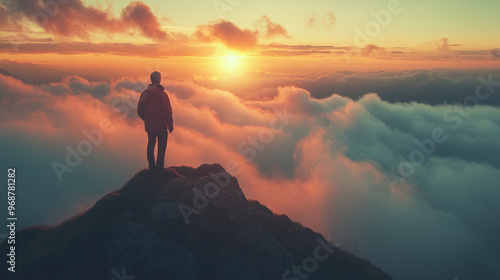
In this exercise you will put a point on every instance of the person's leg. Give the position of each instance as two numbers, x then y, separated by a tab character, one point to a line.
151	149
162	146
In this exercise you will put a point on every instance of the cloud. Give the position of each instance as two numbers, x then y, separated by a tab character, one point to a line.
4	16
236	38
228	33
327	21
325	166
433	87
123	49
75	19
154	50
443	45
276	49
271	29
494	54
9	22
274	52
141	15
368	49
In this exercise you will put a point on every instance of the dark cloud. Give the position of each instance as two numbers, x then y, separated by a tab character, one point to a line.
494	54
47	45
8	21
31	73
433	87
277	49
78	85
123	49
292	52
229	34
4	16
297	47
150	50
74	19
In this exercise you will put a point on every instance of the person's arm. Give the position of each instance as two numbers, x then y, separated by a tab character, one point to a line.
140	106
168	112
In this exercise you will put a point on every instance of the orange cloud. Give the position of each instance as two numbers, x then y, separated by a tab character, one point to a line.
237	38
327	21
276	49
272	29
141	15
229	34
124	49
74	19
368	49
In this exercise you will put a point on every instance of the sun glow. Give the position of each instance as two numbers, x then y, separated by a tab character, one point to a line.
232	62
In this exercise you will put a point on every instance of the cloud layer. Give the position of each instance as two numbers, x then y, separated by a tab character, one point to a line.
75	19
451	86
323	161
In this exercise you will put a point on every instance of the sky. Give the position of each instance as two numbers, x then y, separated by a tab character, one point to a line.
240	36
375	123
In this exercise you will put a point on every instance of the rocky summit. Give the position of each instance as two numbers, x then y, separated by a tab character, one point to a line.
181	223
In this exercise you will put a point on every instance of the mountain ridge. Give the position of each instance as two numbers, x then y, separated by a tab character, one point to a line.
182	223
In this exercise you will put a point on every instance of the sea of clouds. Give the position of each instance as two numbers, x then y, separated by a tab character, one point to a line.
413	182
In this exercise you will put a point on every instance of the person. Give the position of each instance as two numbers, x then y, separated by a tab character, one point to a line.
155	110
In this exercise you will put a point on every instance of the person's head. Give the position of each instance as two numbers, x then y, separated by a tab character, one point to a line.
156	77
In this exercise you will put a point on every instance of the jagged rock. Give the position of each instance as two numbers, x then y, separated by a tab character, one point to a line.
182	223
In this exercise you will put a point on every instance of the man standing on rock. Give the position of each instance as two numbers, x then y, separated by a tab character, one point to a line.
155	110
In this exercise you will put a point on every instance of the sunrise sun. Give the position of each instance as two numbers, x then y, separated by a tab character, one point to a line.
231	62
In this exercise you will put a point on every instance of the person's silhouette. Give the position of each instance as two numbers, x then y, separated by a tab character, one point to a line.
155	110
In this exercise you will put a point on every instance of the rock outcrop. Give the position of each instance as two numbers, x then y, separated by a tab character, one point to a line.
182	223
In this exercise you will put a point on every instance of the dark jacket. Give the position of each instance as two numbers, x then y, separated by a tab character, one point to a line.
155	110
